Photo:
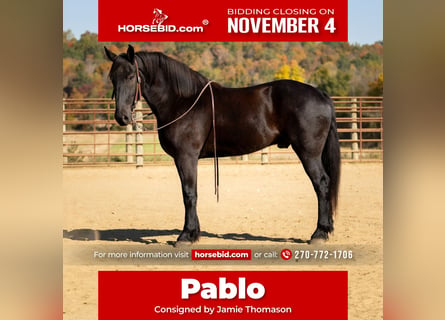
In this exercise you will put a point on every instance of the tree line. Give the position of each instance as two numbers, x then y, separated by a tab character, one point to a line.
339	68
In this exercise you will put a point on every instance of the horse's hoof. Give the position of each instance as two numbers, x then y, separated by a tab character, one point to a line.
182	244
319	237
317	241
189	237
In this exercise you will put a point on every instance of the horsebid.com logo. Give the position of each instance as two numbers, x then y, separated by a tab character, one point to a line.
159	16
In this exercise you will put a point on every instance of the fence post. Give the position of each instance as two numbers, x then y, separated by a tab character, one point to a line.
129	143
264	156
65	159
139	138
354	134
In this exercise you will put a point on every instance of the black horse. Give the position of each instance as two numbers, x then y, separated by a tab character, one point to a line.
245	120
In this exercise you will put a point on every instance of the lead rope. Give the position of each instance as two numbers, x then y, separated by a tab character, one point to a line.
193	105
215	158
137	97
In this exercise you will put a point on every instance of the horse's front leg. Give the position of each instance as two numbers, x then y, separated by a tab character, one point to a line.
187	169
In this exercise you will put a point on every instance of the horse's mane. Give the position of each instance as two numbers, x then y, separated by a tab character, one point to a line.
184	81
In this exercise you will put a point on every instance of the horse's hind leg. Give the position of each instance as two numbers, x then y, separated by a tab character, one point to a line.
320	181
312	163
313	123
187	169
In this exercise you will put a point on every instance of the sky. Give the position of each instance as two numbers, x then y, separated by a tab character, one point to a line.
365	25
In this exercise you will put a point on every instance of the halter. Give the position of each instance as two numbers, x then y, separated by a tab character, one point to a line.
137	96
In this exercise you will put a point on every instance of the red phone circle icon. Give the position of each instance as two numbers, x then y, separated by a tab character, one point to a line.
286	254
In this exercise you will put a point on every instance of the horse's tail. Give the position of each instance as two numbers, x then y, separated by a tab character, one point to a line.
331	161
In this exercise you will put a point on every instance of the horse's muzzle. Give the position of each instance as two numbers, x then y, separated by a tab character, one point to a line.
123	119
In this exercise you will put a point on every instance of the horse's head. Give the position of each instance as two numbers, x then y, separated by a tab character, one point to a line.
123	75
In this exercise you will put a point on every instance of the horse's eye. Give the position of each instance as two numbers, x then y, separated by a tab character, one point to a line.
131	77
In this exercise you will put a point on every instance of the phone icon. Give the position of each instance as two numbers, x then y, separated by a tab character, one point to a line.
286	254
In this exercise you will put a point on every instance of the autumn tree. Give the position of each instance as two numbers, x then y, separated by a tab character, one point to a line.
338	68
376	86
290	71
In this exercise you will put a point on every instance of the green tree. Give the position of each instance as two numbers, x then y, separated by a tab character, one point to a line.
334	85
88	45
81	77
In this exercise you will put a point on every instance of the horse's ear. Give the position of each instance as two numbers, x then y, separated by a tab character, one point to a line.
110	54
130	53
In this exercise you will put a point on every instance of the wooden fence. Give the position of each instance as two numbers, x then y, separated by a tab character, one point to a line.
91	137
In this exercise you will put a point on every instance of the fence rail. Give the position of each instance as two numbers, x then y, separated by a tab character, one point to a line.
91	137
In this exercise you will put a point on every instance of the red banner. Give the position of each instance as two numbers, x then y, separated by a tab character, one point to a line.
228	20
223	295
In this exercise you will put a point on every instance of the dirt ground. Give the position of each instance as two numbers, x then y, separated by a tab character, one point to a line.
259	205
